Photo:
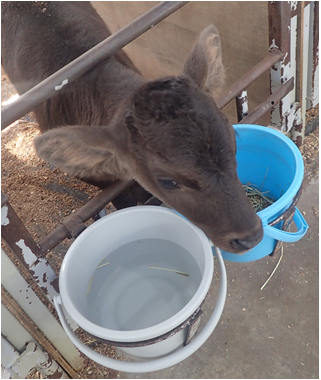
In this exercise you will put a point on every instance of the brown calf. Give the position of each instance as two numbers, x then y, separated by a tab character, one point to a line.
167	134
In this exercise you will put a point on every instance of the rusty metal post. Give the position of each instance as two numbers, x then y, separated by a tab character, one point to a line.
313	92
50	86
304	58
298	129
242	106
283	36
25	249
308	89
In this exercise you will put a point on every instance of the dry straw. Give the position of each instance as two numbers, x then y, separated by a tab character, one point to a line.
258	199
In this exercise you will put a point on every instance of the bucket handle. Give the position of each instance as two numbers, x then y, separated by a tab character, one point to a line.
160	363
289	237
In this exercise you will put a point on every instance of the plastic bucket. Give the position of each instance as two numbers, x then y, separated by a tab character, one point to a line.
272	162
112	285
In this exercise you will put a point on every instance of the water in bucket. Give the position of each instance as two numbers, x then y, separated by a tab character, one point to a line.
131	292
127	291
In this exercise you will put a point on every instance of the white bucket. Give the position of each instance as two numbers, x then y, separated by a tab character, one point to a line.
129	299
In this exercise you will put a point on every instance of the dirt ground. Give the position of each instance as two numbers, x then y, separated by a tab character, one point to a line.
42	196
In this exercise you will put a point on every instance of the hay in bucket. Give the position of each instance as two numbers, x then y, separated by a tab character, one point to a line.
259	200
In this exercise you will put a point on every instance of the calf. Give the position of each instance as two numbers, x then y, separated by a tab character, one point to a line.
167	134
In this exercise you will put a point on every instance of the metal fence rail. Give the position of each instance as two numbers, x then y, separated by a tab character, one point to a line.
49	87
72	225
249	77
268	103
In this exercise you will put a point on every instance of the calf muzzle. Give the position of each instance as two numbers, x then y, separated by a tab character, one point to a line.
243	244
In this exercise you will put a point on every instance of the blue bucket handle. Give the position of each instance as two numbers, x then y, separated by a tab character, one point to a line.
288	237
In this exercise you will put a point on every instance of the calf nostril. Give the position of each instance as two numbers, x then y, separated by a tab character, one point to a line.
247	243
243	245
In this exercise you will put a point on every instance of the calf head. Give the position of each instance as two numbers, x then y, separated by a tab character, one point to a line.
176	143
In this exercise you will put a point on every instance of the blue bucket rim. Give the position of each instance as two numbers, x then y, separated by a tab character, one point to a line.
290	193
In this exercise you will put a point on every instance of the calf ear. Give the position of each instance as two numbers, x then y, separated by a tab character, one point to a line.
81	151
204	65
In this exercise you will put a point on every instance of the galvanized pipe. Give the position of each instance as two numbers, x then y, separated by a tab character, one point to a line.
269	103
249	77
87	211
50	86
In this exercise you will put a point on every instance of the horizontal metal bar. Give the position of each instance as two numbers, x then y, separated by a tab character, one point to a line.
87	211
269	103
249	77
46	89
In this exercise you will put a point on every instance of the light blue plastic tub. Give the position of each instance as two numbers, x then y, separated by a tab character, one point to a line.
272	162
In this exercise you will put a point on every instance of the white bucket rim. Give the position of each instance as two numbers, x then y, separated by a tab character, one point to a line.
147	333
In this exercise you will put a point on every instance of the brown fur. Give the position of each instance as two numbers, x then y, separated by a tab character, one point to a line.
115	124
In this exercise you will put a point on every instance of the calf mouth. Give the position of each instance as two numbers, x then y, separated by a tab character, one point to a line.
237	243
242	246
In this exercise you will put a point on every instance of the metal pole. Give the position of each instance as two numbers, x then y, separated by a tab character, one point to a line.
35	332
242	105
283	28
249	77
50	86
90	209
314	100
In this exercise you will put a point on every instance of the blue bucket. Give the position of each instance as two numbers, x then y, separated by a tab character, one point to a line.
271	162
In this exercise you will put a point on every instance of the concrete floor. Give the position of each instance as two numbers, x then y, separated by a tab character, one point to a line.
269	333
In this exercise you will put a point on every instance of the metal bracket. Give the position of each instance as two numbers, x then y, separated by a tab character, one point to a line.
192	322
193	326
35	357
286	217
74	225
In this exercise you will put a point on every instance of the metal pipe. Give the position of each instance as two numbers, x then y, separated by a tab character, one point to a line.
47	88
249	77
34	331
269	103
87	211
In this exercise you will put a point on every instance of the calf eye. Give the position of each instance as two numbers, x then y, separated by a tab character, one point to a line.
168	183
